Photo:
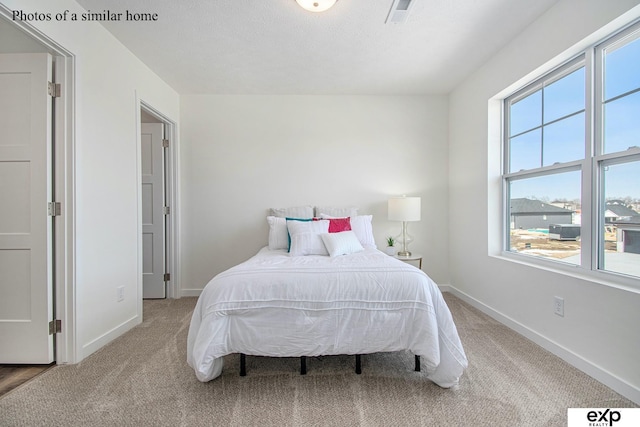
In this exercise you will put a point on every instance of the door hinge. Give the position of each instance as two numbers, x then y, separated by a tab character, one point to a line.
167	277
53	89
166	210
54	208
165	143
55	327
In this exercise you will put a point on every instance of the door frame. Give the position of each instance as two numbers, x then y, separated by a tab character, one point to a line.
64	271
171	173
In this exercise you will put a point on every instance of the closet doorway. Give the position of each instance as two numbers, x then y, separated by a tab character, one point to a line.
157	196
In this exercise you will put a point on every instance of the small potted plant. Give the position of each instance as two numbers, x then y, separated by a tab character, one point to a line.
391	250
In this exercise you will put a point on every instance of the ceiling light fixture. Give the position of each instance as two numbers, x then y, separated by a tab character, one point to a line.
316	5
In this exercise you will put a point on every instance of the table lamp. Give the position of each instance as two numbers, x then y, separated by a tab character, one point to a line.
404	209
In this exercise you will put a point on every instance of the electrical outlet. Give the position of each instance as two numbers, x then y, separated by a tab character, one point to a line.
558	306
120	293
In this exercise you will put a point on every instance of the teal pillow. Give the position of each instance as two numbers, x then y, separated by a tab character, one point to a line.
289	235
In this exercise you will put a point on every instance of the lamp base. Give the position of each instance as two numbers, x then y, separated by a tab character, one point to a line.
404	253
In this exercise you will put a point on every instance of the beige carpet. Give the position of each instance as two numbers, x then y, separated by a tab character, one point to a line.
142	379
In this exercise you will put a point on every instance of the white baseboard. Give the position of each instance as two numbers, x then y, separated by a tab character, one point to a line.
190	292
106	338
607	378
444	288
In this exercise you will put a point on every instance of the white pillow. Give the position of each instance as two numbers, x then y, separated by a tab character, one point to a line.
342	243
361	225
305	237
304	212
336	212
278	235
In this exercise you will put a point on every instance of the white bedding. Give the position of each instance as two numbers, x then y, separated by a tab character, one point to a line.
277	305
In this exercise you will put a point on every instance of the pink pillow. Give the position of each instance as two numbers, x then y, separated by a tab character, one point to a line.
337	225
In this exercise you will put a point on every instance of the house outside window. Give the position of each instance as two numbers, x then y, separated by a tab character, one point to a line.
571	166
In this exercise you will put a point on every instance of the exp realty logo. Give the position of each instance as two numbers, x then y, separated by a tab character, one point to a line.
603	417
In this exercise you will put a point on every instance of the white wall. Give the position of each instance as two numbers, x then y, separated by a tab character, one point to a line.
601	327
244	154
108	81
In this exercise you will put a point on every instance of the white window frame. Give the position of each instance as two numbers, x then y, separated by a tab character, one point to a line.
591	166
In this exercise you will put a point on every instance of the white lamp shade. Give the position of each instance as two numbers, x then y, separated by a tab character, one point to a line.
316	5
404	209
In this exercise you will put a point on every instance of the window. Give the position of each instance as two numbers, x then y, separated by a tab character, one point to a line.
571	173
545	148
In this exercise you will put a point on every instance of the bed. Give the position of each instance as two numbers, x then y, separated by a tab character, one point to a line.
281	304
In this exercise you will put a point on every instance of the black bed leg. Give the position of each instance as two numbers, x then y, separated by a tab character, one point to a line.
417	363
358	365
243	365
303	365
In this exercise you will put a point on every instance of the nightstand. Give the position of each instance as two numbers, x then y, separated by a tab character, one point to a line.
413	257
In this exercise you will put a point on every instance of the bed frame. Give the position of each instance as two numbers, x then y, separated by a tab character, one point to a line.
303	364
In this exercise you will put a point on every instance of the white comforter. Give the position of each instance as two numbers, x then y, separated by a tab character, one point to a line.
277	305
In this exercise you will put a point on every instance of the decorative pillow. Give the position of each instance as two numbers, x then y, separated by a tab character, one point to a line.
336	225
342	243
289	235
361	225
278	234
336	212
305	237
294	212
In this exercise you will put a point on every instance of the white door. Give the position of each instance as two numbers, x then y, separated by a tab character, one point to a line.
153	236
25	228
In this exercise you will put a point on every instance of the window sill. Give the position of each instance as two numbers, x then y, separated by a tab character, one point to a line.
606	278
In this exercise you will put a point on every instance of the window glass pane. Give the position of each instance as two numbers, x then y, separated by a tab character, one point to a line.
621	234
545	216
564	140
622	123
526	114
565	96
622	70
525	151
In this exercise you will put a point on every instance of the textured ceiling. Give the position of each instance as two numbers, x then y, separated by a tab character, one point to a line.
276	47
